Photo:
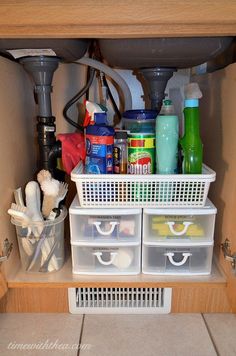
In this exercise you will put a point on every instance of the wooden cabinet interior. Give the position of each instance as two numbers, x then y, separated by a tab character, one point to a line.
218	132
17	130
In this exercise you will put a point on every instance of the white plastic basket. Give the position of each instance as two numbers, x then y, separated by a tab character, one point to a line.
142	191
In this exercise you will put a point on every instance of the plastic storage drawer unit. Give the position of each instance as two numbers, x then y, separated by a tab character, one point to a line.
113	225
106	259
184	259
193	225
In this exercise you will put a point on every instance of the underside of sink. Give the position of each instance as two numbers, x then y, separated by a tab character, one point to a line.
68	50
162	52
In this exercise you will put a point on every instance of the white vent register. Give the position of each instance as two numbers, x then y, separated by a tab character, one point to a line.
119	300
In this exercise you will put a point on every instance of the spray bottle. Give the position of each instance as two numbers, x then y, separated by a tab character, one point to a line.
191	141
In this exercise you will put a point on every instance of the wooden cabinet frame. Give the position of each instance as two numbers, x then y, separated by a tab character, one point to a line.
116	19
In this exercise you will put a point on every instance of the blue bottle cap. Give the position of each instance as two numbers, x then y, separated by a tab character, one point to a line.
191	103
100	118
140	114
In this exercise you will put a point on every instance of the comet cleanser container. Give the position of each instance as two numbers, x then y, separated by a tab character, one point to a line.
141	153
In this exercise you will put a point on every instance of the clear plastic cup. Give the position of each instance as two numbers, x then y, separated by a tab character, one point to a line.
41	244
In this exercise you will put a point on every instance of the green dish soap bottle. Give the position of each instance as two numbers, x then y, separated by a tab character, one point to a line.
191	143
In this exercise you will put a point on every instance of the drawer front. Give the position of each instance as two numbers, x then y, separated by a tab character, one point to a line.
164	228
106	260
192	260
110	228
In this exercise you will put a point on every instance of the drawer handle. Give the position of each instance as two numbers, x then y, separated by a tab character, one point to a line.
105	233
105	263
179	233
170	255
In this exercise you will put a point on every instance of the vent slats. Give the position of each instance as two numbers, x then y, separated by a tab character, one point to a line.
119	297
119	300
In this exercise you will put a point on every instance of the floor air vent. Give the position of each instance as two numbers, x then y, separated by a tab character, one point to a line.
119	300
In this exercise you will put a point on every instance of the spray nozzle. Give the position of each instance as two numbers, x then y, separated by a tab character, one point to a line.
192	93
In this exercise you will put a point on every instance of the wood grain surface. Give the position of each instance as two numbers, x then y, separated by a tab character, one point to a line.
122	18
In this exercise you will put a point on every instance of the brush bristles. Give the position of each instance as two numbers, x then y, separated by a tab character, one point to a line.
43	175
50	187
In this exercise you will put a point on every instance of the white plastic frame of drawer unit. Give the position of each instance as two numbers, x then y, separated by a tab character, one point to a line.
184	259
106	259
166	225
110	225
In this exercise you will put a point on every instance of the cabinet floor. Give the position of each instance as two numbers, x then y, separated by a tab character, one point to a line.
113	335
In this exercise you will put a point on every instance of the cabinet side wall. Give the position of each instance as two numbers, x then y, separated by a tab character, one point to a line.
17	145
218	123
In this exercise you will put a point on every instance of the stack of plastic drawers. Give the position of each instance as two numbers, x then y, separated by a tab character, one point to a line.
178	241
105	241
171	212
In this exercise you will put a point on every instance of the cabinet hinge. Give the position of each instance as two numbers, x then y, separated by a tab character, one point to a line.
228	255
7	248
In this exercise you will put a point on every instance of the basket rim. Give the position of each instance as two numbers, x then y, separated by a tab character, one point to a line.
208	175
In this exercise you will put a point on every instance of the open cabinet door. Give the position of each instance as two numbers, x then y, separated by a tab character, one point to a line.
218	123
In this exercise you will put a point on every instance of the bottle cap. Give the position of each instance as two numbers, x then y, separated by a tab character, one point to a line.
140	114
191	103
167	108
100	118
167	102
121	134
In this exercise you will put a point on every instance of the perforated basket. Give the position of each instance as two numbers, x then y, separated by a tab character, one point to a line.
156	190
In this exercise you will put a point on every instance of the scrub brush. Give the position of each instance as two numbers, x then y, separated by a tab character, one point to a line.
50	188
43	175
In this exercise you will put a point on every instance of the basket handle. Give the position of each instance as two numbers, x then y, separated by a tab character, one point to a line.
105	233
185	255
179	233
105	263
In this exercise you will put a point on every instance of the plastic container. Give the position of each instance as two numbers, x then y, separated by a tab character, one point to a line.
179	259
178	225
141	153
119	259
167	137
191	143
120	152
140	121
104	225
41	244
99	149
124	190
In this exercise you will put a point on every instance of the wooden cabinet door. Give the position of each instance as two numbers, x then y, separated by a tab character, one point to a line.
218	123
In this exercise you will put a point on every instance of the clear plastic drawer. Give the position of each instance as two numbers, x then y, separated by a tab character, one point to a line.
193	225
111	225
176	260
109	260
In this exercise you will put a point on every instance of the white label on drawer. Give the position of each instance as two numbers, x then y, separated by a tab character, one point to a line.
105	249
18	53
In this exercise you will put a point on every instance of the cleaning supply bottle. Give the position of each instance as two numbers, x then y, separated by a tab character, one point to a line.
120	152
167	136
191	143
99	149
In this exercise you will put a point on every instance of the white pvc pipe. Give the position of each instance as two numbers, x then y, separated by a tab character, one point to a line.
111	73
